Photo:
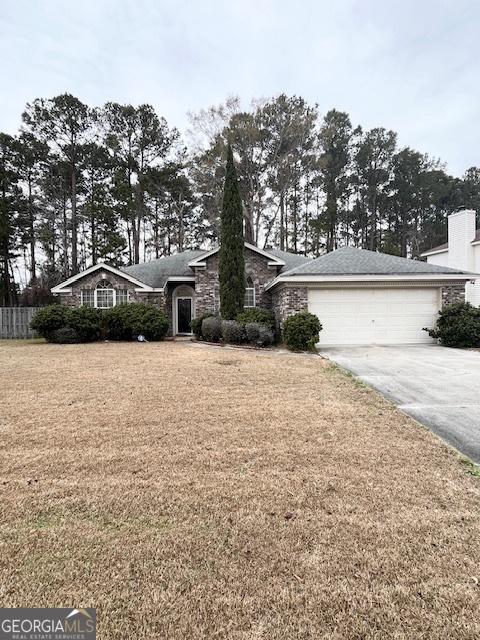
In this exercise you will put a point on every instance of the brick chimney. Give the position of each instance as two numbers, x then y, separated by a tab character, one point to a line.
461	232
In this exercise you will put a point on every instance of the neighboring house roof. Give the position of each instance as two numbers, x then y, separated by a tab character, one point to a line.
444	247
154	275
438	249
350	263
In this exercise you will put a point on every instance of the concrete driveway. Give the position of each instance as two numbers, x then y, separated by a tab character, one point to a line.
437	386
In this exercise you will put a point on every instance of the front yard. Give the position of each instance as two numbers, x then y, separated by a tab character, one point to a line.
191	492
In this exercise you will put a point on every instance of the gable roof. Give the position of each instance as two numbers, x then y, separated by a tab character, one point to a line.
65	286
153	275
274	260
362	264
444	247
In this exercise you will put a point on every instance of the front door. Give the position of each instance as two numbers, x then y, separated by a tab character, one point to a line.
184	315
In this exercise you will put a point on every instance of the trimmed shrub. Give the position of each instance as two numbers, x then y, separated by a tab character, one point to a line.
119	321
458	325
153	324
50	319
300	331
125	321
258	316
212	329
65	335
232	331
61	324
86	323
259	334
197	324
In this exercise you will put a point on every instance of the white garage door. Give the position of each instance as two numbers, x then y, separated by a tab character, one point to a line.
374	316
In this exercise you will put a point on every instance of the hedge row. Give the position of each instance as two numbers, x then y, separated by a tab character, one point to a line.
58	323
214	329
458	326
256	326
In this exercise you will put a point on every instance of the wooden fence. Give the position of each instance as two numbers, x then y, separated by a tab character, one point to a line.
15	322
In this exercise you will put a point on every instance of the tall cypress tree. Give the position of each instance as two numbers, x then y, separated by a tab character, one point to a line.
231	268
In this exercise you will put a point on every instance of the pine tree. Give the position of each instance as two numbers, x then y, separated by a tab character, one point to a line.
231	255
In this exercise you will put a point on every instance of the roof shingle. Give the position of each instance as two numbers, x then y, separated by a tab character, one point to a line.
352	261
156	272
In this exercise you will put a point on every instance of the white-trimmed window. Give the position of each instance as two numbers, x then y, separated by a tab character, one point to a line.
249	300
87	298
104	296
121	296
249	293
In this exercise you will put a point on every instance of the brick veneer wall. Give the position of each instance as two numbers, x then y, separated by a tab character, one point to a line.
453	293
288	300
256	266
90	281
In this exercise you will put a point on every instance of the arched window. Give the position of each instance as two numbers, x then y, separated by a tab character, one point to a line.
104	284
249	293
105	295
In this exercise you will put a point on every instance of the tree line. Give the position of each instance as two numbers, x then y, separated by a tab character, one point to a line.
81	184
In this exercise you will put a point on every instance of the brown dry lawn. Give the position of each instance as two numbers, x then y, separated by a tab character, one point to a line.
191	492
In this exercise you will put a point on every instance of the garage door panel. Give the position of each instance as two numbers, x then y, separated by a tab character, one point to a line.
374	316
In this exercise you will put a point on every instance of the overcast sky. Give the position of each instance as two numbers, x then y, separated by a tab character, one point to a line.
412	66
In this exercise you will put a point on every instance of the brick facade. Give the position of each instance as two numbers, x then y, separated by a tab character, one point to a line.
90	281
289	300
256	267
453	293
285	300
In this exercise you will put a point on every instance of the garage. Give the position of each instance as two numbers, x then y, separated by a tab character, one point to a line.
366	297
375	315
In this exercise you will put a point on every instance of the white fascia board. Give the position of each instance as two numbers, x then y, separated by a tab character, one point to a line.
441	277
433	253
63	287
169	279
180	279
273	262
